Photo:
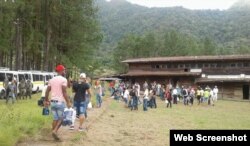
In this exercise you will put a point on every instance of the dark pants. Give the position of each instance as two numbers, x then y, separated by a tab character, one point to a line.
134	103
169	103
175	99
152	103
185	100
145	104
199	99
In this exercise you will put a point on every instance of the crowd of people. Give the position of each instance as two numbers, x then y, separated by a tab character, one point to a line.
133	94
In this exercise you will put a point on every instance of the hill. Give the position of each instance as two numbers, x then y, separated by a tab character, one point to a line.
229	29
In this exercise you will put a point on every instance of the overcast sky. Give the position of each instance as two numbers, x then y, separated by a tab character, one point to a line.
190	4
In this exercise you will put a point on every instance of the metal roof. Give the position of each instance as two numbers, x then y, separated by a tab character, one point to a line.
189	58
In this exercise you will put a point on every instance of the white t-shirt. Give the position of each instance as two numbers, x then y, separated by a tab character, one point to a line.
146	94
126	94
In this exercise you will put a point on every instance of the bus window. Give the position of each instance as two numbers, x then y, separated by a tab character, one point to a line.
10	76
20	77
35	77
2	77
27	76
41	77
47	78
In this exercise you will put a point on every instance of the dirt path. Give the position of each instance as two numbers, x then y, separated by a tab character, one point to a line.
69	137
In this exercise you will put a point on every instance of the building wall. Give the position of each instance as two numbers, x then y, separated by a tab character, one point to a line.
228	90
207	67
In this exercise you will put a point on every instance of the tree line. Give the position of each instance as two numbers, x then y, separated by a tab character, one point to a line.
37	35
171	43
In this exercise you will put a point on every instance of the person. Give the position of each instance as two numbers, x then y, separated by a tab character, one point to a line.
198	95
145	85
206	94
126	96
59	97
11	92
211	98
145	100
215	91
152	100
191	96
175	95
29	88
185	95
5	85
80	88
134	99
98	92
169	98
22	88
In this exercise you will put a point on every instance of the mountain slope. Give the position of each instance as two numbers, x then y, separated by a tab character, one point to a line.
229	28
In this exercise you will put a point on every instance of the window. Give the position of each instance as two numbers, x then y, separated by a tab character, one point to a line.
27	76
193	65
175	66
157	66
2	77
232	65
213	65
168	66
41	78
48	77
187	65
239	64
20	77
200	65
10	76
206	65
35	77
245	64
181	65
219	65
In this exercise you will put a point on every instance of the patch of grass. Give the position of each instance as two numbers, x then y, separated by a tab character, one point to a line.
21	119
77	137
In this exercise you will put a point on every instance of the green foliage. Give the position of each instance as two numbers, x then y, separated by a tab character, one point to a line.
171	31
51	32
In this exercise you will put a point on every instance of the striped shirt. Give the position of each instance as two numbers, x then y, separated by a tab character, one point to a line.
56	85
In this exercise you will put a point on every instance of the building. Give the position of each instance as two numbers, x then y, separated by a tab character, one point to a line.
231	73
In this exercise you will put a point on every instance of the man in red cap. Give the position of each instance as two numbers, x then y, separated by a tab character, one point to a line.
59	98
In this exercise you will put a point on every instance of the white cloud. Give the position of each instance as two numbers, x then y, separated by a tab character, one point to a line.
190	4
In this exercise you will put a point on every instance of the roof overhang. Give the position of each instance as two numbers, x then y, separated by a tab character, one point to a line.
159	73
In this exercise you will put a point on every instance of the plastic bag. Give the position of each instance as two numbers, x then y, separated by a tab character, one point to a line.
90	105
166	101
68	116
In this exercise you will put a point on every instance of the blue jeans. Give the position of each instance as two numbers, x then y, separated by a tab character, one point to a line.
57	109
98	100
145	104
80	107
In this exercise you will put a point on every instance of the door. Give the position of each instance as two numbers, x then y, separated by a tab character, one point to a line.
245	91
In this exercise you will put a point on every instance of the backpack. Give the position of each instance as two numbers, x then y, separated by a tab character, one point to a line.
184	92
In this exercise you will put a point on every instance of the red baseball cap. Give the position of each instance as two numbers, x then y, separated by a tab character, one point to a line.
60	68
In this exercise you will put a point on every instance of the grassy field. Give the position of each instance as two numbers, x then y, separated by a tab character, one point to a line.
21	119
122	127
